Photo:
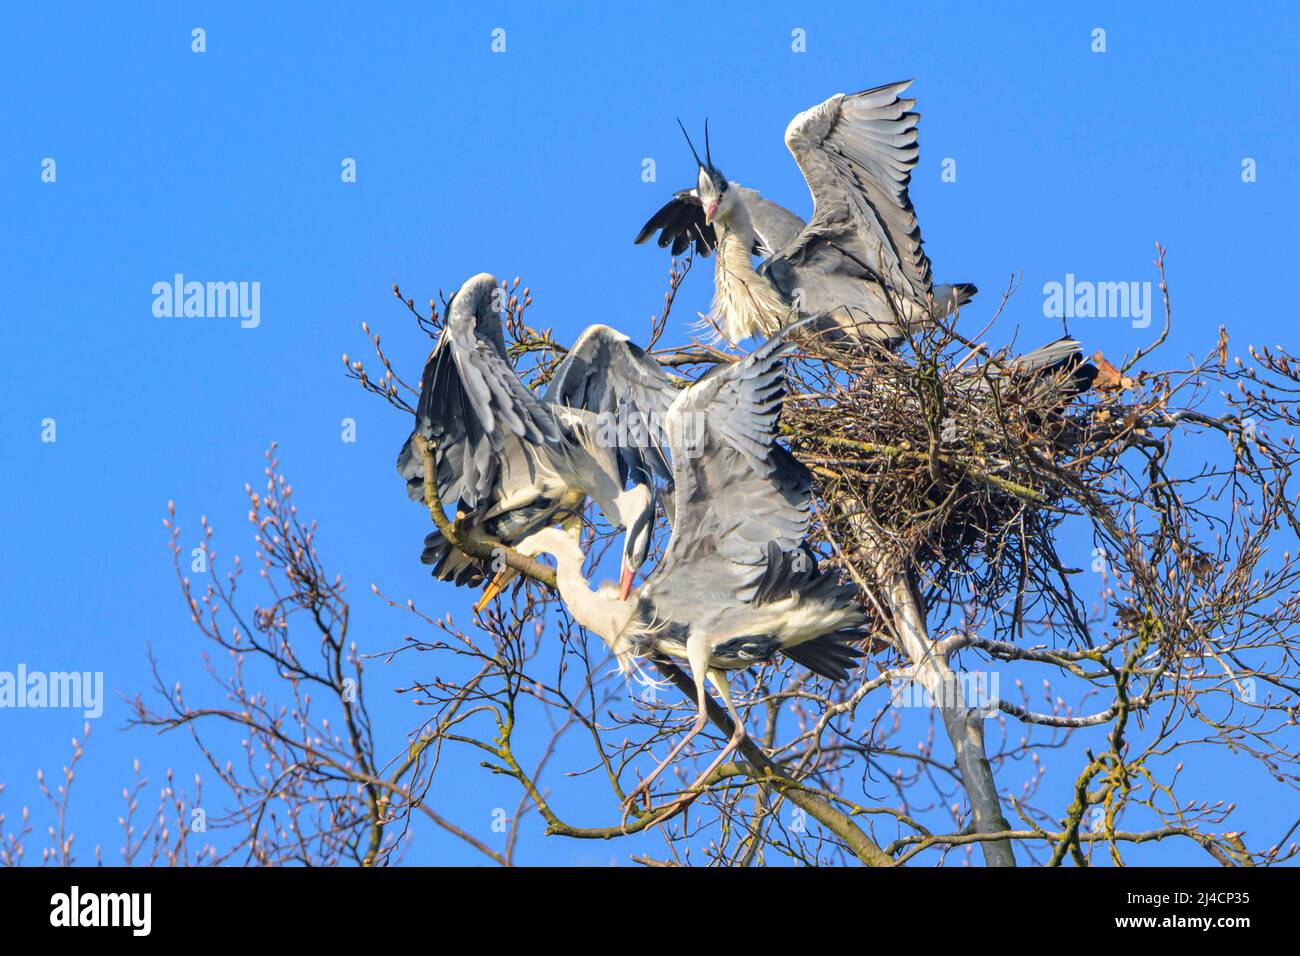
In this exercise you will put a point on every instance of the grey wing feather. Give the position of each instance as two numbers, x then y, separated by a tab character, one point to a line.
494	391
609	375
470	399
743	403
1048	357
795	572
597	468
831	655
735	489
1056	370
856	153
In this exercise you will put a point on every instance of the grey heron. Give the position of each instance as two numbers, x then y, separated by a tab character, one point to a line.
515	462
735	586
858	265
1052	372
1041	381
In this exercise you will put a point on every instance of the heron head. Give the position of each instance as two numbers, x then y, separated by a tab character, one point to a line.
714	195
639	506
712	185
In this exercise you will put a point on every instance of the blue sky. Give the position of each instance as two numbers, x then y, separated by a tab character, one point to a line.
225	165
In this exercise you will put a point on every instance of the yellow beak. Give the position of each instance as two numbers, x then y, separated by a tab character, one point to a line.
492	590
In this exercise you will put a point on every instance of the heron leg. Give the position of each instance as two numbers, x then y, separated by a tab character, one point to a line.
719	680
697	655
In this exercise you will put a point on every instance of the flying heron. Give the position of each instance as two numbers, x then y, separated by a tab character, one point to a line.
515	462
857	266
735	585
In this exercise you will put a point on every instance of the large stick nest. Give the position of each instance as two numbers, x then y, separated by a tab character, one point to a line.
953	459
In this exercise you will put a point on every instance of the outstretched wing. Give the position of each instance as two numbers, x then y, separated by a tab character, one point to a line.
735	490
625	389
856	153
471	400
681	221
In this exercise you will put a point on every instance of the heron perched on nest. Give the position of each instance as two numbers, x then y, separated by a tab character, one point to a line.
857	266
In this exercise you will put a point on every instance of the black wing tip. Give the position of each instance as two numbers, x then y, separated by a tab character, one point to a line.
1082	377
679	225
832	656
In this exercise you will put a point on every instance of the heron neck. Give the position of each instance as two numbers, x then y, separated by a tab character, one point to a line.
744	302
737	233
595	610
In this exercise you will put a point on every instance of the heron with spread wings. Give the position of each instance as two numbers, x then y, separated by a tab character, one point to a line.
736	585
515	462
857	267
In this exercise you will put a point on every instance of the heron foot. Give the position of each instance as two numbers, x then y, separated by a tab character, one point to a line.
693	791
644	786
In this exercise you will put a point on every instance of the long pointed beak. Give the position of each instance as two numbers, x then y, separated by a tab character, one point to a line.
625	583
492	590
710	211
